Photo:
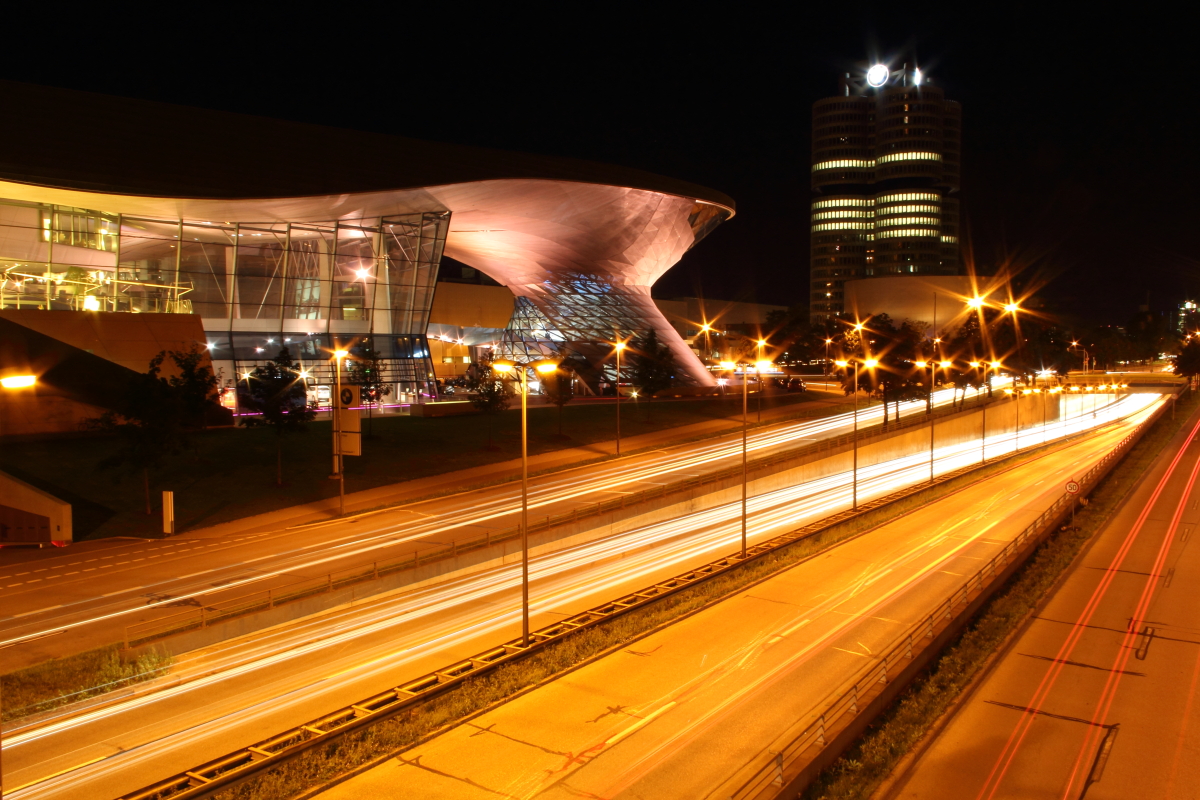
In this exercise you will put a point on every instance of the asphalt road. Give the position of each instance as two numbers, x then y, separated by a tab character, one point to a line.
242	691
677	713
91	597
1097	693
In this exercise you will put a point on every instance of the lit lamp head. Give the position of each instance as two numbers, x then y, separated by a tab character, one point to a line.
545	367
842	363
503	365
705	328
340	354
762	342
945	364
728	365
975	302
619	346
1012	308
18	381
762	366
975	364
871	363
995	365
877	75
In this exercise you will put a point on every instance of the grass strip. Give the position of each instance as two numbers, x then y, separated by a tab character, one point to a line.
60	681
347	753
867	762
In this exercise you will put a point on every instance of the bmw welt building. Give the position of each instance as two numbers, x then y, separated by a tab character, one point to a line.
269	233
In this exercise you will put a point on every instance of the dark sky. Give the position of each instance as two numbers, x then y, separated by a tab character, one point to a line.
1080	130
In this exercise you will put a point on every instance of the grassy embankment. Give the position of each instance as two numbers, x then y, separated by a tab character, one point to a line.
326	762
865	765
230	473
69	680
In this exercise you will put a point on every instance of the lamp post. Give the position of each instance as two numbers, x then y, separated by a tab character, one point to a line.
619	346
828	342
543	366
732	366
1087	359
706	329
758	371
11	383
869	363
338	461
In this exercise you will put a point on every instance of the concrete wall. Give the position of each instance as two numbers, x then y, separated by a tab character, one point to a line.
30	504
130	340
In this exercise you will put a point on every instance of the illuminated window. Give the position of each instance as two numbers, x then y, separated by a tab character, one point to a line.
891	157
909	210
950	240
844	201
841	226
846	214
844	163
897	221
901	197
907	233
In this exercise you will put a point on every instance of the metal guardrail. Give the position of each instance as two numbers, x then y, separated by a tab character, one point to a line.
201	780
213	608
844	704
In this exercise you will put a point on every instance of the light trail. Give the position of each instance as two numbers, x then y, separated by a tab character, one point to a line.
366	540
566	576
1025	722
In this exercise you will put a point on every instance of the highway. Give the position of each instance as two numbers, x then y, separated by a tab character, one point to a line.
675	714
237	693
1097	693
96	595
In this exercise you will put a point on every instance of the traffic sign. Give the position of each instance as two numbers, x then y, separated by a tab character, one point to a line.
1072	487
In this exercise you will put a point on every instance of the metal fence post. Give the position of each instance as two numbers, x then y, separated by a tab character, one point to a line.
854	700
930	634
821	730
778	770
883	677
908	654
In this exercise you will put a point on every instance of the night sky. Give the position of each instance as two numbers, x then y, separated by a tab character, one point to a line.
1079	130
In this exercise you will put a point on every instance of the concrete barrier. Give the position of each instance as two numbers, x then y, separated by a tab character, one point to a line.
30	516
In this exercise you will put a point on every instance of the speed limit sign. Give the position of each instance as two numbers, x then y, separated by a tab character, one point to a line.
1072	487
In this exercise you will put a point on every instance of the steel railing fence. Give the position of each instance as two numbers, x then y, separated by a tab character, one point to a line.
845	703
213	607
203	779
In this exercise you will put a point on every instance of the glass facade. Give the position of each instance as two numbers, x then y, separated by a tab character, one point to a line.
257	286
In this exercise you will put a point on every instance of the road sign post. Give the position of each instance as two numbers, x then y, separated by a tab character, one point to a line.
1072	489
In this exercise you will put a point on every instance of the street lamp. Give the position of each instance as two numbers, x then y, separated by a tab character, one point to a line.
338	461
706	329
543	366
869	363
828	342
619	346
1087	359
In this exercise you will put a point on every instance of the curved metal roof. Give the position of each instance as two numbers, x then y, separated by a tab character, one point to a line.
69	139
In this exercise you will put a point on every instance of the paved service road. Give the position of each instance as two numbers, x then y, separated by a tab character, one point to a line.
677	713
1098	692
245	690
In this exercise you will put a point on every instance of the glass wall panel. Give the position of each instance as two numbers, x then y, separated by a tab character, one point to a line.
259	286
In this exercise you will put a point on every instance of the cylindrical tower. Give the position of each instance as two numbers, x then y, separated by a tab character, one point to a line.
885	162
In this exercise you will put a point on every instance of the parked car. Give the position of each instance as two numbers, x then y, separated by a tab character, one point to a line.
796	385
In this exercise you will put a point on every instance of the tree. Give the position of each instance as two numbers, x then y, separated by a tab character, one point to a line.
275	395
1188	362
195	383
652	367
896	378
366	371
148	421
490	394
1150	334
560	390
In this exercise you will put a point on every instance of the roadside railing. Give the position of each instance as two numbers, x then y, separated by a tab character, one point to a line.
779	765
202	780
211	608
